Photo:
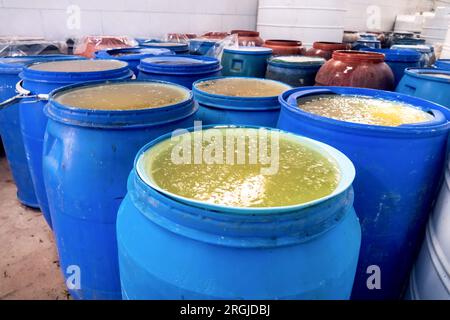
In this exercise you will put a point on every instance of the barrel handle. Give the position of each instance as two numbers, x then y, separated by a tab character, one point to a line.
412	89
22	93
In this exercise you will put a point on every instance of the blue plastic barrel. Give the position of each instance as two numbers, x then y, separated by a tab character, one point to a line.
177	47
182	69
398	170
203	46
88	155
245	61
223	109
169	249
10	68
426	52
296	71
33	120
399	60
443	64
367	43
424	83
132	56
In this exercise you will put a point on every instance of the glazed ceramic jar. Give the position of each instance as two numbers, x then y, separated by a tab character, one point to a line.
248	38
285	47
356	69
325	49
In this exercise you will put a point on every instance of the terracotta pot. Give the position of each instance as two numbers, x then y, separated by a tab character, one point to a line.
248	38
91	44
356	69
326	49
285	47
215	35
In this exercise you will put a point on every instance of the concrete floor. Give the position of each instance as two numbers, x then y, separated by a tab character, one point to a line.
28	259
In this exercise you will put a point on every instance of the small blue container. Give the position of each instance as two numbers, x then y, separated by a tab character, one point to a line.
87	157
222	109
177	47
368	43
398	172
10	67
425	83
132	56
172	249
399	60
426	52
183	69
33	120
296	71
443	64
245	61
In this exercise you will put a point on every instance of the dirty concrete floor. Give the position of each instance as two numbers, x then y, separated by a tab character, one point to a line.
28	258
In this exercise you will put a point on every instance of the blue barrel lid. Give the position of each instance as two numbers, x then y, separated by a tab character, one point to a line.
431	74
119	71
118	118
440	122
233	102
180	64
443	64
13	65
395	55
296	62
174	46
136	53
255	51
420	47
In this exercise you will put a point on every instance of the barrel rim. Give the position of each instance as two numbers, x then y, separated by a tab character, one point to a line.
236	103
141	53
178	47
419	73
442	64
365	129
209	65
104	118
315	62
346	168
28	74
249	50
15	68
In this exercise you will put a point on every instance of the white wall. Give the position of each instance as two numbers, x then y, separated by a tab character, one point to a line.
138	18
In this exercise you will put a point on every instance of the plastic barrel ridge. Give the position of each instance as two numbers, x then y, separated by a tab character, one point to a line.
394	187
245	61
279	252
33	120
399	60
132	56
10	67
84	207
427	83
225	109
180	69
430	278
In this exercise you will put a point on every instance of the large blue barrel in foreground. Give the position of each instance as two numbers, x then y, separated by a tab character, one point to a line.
427	83
88	155
398	171
39	79
170	249
10	67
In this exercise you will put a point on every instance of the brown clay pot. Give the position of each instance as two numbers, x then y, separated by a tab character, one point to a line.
215	35
285	47
248	38
90	44
356	69
325	49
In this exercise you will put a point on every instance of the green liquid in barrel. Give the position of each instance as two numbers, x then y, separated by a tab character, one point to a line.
125	96
364	110
303	174
242	87
79	65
